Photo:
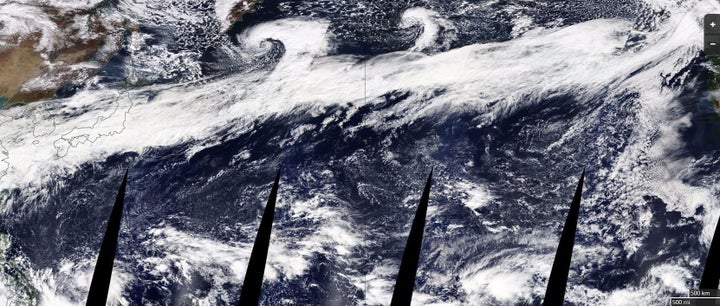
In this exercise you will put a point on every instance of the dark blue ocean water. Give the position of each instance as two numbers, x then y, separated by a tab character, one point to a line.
213	194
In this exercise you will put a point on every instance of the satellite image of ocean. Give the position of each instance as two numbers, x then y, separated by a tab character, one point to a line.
355	101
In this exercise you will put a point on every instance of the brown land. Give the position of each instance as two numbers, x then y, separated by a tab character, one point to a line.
22	63
241	8
19	64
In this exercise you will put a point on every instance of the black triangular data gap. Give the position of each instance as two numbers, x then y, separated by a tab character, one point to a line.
250	294
711	272
405	281
104	266
557	283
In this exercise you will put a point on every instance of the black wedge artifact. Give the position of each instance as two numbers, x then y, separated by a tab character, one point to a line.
104	266
555	292
405	282
252	284
711	273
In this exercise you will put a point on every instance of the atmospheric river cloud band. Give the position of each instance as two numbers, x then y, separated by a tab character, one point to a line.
495	78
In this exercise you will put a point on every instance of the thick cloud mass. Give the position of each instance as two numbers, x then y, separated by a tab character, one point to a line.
508	121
